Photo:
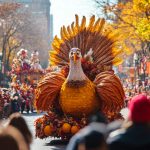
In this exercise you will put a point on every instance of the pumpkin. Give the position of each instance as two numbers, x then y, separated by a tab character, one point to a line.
74	129
48	130
66	128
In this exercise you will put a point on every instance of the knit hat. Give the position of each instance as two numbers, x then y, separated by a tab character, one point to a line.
139	109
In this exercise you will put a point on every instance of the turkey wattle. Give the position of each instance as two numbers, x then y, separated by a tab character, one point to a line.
78	95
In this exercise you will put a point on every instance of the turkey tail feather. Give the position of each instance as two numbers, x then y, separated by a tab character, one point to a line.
96	36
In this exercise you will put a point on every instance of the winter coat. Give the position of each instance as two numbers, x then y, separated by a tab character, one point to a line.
136	137
15	106
92	129
27	103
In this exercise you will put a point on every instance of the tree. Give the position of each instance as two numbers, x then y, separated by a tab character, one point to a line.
13	44
9	25
132	21
19	28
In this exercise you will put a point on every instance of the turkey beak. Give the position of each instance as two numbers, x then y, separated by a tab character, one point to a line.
75	57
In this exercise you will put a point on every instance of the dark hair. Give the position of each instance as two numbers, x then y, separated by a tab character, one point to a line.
7	142
15	94
91	137
98	117
94	139
17	121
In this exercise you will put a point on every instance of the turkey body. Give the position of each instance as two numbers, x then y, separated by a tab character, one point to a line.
79	101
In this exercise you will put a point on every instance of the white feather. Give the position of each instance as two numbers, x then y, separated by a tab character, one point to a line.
89	53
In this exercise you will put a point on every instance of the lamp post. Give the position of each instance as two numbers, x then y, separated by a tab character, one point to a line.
1	68
0	61
144	67
136	63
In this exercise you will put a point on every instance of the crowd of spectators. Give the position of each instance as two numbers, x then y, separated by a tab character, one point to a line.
131	134
15	134
12	100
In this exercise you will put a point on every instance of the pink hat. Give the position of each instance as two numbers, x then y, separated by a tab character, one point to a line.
139	109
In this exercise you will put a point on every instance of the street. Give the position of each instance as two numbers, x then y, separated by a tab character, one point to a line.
44	144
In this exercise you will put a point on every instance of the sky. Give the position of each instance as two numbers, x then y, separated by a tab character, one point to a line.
64	11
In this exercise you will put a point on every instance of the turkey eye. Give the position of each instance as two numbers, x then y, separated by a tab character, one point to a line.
71	53
78	53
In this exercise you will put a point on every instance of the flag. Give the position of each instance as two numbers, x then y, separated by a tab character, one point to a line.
148	68
132	71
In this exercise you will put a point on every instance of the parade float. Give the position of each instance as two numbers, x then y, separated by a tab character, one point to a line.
25	73
83	83
27	69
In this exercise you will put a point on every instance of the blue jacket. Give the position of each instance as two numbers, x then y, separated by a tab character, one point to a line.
15	106
136	137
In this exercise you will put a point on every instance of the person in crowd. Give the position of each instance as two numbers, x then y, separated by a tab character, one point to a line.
27	105
76	139
7	109
135	133
92	137
16	94
31	97
101	118
17	121
11	139
23	103
7	142
14	104
98	117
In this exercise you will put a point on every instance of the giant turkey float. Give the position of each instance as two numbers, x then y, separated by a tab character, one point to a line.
83	83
